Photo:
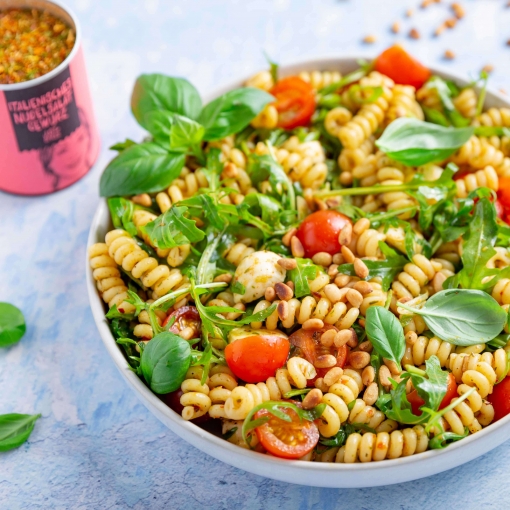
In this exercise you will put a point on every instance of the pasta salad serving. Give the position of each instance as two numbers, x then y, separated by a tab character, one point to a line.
316	266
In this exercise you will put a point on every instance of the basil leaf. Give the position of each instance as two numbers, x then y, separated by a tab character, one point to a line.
305	270
15	429
414	142
462	316
165	361
185	132
121	212
12	324
232	112
153	92
143	168
173	229
386	333
120	146
159	124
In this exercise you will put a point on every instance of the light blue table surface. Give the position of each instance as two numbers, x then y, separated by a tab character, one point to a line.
96	446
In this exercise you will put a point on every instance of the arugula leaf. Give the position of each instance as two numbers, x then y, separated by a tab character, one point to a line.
238	288
305	270
213	168
462	317
264	206
173	229
273	67
153	92
213	212
232	112
396	406
443	439
121	212
142	168
15	429
12	324
386	333
185	132
414	142
113	313
431	388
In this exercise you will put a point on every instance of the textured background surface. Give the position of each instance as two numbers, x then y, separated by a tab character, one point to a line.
96	445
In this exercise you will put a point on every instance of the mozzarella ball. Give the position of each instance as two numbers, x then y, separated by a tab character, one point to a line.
257	272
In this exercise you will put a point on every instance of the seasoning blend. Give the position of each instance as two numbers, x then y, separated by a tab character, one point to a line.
48	133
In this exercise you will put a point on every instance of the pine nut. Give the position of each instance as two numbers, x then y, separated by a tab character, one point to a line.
342	338
369	39
333	376
229	171
270	294
312	399
395	28
313	324
333	202
321	385
333	270
346	178
143	199
354	297
394	368
360	359
347	255
328	337
297	248
368	375
287	264
371	394
333	293
361	225
338	258
458	10
451	22
414	34
288	236
449	55
283	310
488	68
345	236
353	342
225	277
325	361
283	291
366	346
439	30
290	285
322	259
384	376
363	287
321	205
360	268
342	280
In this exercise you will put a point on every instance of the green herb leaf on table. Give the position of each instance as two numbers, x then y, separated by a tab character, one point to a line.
232	112
462	317
165	361
12	324
15	429
142	168
414	142
153	92
386	333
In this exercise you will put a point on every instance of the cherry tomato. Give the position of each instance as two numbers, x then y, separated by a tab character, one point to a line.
185	317
499	209
416	401
309	346
319	232
290	440
295	102
504	198
500	399
254	358
403	69
173	401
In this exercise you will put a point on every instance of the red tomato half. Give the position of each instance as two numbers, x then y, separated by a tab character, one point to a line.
500	399
290	440
504	198
295	102
309	347
499	209
319	232
185	317
396	63
255	358
416	401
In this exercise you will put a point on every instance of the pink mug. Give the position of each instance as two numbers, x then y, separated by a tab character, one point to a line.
48	133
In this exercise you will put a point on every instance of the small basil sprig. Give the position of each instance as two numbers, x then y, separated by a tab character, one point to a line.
386	333
414	142
15	429
12	324
462	317
276	409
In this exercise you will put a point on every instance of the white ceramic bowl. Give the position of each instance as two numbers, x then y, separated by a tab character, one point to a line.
306	473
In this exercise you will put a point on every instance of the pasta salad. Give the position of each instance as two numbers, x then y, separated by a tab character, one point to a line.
316	267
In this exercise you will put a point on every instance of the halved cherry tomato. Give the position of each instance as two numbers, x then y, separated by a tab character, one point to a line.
185	317
308	346
173	401
500	399
504	198
499	209
416	401
290	440
403	69
255	358
295	102
319	232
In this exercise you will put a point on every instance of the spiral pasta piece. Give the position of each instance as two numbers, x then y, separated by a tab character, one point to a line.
365	241
501	291
368	415
239	251
478	153
424	348
320	79
349	159
499	117
491	364
377	297
415	276
482	178
112	288
262	80
429	98
403	104
466	102
195	399
336	118
383	445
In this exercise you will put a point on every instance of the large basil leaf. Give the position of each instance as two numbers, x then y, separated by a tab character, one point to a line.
414	142
12	324
15	429
232	112
185	132
165	361
143	168
153	92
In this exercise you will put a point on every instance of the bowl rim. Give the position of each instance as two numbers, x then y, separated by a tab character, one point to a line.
190	431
